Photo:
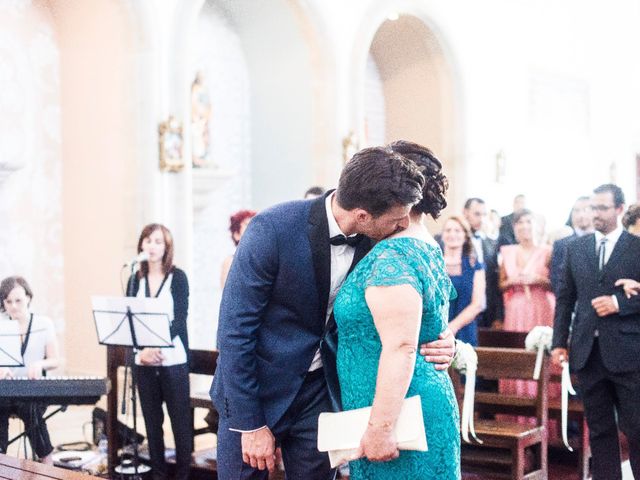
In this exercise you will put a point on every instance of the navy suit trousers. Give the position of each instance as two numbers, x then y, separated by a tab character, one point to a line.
296	433
606	394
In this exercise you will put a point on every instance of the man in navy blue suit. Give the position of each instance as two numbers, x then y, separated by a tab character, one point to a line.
276	335
581	222
602	340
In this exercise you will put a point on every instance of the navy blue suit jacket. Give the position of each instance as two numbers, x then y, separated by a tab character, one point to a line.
273	312
558	261
619	334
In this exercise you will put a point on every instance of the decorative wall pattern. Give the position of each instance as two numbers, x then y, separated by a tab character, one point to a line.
219	56
30	154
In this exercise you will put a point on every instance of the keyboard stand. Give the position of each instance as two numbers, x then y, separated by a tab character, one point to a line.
61	408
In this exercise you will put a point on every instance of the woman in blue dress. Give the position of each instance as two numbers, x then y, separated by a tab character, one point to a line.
467	276
396	298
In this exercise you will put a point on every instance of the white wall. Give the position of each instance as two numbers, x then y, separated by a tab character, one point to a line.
30	155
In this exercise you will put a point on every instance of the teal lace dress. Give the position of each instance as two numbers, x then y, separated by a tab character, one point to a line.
400	261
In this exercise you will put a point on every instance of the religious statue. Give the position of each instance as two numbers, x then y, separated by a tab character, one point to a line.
200	115
350	146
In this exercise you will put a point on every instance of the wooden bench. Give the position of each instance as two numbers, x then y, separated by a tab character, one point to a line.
511	339
508	445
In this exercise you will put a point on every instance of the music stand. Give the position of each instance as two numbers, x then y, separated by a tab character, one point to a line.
10	344
137	322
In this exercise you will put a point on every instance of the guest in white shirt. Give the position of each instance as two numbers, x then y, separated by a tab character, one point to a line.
40	352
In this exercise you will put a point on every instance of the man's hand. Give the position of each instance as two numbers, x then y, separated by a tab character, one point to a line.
259	449
559	355
440	351
604	306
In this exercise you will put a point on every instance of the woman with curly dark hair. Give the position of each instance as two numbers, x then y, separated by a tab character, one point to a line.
396	298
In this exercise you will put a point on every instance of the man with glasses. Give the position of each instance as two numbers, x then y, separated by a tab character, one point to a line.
602	341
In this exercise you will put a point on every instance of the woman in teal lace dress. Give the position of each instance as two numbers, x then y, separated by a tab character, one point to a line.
396	298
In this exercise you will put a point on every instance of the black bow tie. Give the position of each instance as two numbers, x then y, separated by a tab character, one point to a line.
342	240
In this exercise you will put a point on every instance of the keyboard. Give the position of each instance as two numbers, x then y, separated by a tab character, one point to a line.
54	390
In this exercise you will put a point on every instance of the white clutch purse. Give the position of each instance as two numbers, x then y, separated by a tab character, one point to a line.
340	433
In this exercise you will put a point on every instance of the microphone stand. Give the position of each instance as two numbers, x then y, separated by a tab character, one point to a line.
131	362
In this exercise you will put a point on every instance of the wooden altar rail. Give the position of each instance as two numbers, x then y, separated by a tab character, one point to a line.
18	469
202	362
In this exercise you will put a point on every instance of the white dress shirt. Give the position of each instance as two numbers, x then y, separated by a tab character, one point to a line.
341	258
612	239
476	240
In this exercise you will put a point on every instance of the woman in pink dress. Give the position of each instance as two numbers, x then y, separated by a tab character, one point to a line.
524	278
528	300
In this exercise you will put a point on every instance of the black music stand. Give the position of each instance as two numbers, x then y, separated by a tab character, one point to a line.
11	356
10	344
133	322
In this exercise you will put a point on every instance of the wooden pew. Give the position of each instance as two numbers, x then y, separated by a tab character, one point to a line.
520	449
201	362
510	339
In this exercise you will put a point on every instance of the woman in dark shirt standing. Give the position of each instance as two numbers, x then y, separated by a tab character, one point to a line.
162	375
467	276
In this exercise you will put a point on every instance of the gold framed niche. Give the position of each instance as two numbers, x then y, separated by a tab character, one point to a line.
171	145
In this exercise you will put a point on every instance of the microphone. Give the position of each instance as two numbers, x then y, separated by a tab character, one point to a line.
142	257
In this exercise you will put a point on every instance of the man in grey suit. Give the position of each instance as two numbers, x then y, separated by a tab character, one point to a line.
602	341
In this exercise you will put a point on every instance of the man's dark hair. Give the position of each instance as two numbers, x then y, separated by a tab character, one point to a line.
377	179
519	214
471	201
582	198
614	190
315	190
434	193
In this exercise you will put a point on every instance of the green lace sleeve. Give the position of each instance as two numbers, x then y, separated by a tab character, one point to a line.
393	267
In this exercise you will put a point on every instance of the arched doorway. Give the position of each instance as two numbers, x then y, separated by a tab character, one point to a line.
405	88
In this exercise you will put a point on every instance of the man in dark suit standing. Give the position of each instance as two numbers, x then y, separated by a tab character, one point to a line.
581	222
506	235
475	212
276	335
602	343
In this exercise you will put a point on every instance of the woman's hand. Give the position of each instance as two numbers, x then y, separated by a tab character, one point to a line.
630	287
34	370
378	444
151	357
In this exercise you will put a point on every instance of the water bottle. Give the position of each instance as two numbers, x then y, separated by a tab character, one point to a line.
103	445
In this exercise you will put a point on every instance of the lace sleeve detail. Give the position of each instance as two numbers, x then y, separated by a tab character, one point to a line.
392	267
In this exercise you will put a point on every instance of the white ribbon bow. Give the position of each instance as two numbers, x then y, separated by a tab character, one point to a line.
539	338
466	362
567	389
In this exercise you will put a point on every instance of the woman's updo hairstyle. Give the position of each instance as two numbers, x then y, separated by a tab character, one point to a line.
436	184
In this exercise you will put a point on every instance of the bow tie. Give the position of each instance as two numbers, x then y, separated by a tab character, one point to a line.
342	240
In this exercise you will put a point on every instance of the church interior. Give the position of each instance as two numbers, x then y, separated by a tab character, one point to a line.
116	114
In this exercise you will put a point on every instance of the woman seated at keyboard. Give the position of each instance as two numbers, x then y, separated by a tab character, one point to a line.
39	352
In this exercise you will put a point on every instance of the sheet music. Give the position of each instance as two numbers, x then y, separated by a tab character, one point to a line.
150	321
10	344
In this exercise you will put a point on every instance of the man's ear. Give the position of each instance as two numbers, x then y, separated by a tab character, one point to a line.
362	216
